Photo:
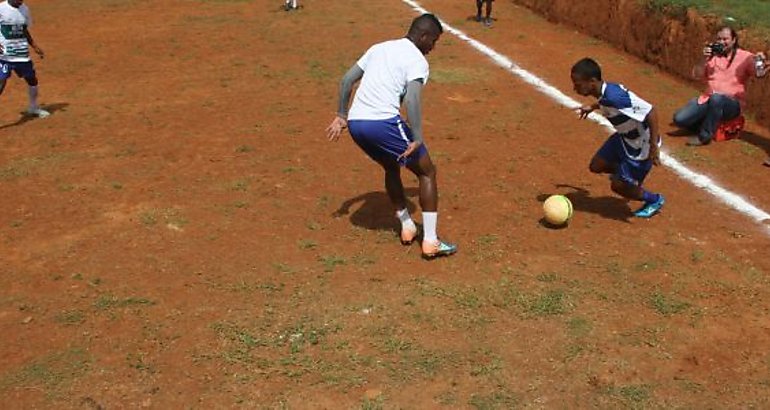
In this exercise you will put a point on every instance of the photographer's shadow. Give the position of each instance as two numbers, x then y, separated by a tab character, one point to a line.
610	207
376	212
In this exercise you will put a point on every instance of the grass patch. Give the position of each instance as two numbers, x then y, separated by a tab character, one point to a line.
667	305
373	404
70	317
283	268
633	395
579	327
317	71
690	155
745	13
307	244
330	262
244	149
169	216
498	400
551	303
24	167
455	76
51	373
106	302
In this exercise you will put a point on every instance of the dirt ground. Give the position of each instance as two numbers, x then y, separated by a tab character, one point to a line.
180	234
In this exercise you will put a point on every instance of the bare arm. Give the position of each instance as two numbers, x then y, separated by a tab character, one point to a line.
32	43
652	121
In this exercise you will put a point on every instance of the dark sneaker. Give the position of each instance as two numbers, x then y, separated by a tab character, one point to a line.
696	142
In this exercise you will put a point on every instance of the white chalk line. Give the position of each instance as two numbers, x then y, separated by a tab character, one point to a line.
729	198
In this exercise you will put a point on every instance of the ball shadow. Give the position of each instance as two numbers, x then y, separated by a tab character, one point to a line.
609	207
375	212
544	223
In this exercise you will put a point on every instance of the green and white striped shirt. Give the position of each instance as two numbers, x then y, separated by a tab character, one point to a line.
13	36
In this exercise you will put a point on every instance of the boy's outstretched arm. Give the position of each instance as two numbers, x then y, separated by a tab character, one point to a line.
585	110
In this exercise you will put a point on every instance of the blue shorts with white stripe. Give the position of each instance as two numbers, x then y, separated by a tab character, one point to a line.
384	139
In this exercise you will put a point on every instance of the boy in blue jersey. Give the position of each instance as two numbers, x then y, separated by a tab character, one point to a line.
628	154
390	73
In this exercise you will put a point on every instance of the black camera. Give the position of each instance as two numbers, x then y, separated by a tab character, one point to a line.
717	49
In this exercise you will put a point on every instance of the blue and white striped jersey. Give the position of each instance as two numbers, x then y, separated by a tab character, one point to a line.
627	113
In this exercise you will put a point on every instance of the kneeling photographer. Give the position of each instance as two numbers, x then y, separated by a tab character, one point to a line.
726	68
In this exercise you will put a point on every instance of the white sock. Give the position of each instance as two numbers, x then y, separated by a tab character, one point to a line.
429	222
32	92
294	4
406	219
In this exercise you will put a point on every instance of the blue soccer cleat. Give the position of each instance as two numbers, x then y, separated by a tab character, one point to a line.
431	250
650	209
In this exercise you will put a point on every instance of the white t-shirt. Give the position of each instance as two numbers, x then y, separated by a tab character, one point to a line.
388	67
13	21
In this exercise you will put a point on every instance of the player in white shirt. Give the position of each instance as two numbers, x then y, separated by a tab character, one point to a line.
393	72
15	42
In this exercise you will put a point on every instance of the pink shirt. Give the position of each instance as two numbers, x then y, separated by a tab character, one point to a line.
729	81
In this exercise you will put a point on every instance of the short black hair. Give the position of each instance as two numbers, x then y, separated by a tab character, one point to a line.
424	24
587	68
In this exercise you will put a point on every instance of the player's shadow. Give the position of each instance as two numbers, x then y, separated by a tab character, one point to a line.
610	207
375	212
25	118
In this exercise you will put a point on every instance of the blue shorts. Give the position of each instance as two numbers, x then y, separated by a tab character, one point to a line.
629	170
384	139
24	69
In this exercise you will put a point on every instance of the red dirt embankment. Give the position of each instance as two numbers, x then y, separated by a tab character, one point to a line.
672	42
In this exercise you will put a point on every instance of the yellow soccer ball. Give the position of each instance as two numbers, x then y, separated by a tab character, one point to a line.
557	210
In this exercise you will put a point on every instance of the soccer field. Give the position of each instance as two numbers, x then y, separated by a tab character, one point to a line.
180	234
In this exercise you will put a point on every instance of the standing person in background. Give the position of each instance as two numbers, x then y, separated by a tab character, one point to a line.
291	5
393	72
488	16
726	68
15	42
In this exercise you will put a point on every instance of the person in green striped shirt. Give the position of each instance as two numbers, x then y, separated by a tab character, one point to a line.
15	42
